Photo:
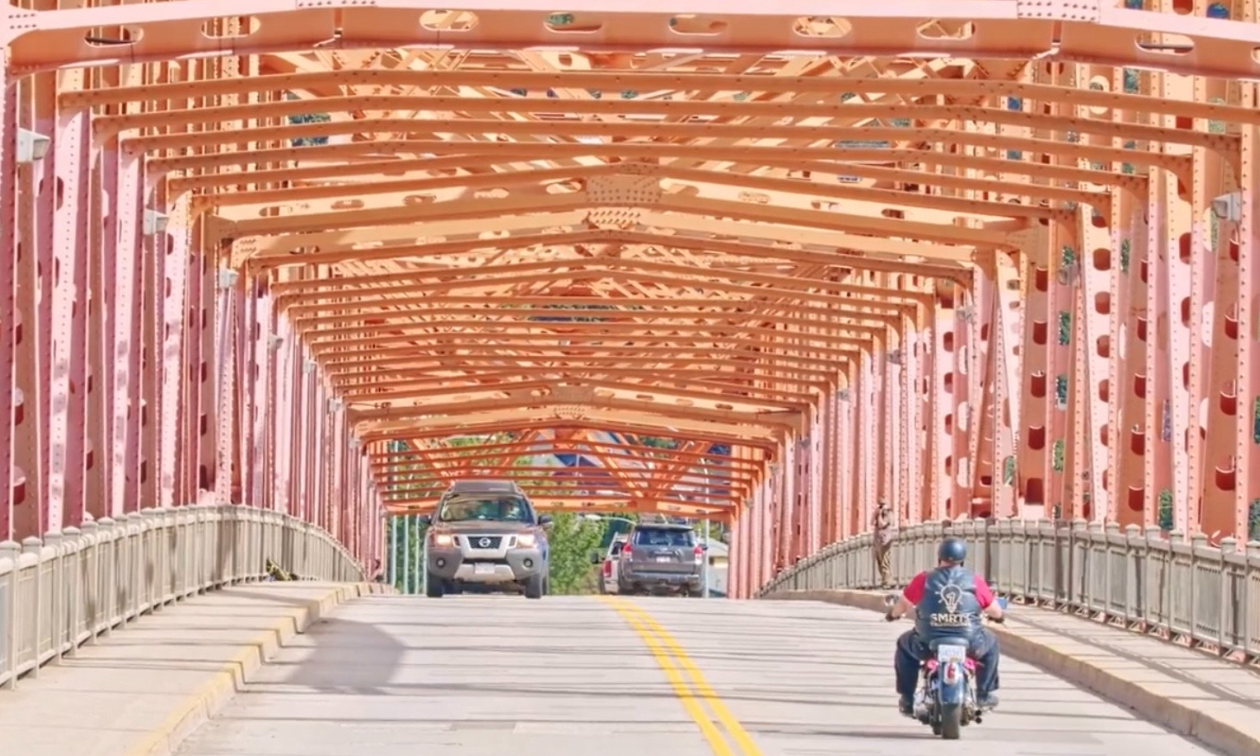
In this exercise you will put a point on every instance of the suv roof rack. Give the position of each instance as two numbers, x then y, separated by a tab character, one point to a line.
484	486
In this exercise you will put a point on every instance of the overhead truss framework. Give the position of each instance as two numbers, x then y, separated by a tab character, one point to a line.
750	264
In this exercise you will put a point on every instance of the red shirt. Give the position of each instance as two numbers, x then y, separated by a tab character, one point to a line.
914	591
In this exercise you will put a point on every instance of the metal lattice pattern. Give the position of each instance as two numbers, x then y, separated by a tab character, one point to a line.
738	263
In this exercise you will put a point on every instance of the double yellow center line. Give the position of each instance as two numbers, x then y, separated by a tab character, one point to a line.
726	736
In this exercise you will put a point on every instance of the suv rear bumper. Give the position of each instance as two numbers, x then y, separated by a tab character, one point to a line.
652	578
514	565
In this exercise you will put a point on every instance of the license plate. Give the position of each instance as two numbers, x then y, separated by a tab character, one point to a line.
664	559
947	654
483	569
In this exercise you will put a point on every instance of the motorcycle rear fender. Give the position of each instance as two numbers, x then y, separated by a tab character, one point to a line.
952	682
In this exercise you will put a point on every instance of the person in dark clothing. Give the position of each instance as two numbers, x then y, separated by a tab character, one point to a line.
948	602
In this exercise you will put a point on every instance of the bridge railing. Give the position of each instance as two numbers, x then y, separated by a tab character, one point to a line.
1183	587
71	587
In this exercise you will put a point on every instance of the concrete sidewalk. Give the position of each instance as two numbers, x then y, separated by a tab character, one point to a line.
143	688
1187	691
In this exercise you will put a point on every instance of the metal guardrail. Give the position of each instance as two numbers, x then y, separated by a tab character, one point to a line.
1186	588
70	588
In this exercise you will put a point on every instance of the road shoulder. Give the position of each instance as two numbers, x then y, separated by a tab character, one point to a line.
1187	691
142	689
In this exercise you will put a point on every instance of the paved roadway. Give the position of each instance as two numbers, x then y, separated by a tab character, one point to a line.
503	676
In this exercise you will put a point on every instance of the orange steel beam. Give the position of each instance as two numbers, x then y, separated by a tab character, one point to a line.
619	81
601	236
596	504
579	446
368	158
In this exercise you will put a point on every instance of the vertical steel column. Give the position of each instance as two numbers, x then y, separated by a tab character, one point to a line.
871	440
248	373
848	456
942	415
188	455
297	443
309	439
912	483
1035	383
1247	442
822	474
1094	390
68	421
961	403
834	498
287	375
893	472
124	354
28	498
315	462
1064	285
885	435
227	329
40	95
763	546
1008	378
209	390
261	383
786	505
149	374
8	308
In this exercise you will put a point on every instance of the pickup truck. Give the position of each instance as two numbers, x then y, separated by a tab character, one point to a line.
610	564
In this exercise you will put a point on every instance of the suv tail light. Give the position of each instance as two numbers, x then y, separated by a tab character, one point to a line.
625	550
607	568
699	552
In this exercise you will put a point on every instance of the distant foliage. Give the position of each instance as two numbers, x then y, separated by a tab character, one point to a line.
572	541
658	443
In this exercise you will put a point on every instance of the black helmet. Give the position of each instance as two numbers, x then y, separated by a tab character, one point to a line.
952	550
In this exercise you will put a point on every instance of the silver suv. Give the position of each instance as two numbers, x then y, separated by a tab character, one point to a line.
487	532
661	558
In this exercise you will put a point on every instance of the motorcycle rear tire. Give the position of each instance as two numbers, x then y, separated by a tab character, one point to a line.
951	721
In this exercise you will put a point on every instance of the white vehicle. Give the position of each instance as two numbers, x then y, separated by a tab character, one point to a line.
610	564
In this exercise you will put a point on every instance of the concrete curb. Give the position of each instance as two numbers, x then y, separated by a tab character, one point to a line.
1176	716
212	696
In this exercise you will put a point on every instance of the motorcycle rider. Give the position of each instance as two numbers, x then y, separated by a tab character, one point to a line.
948	602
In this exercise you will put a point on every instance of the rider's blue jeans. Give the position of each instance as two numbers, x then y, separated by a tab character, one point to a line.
911	650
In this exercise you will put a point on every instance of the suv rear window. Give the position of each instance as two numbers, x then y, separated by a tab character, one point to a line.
664	537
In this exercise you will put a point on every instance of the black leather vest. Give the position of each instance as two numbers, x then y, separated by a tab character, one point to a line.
949	607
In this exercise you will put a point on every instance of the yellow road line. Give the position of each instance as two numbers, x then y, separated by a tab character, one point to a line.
655	637
684	693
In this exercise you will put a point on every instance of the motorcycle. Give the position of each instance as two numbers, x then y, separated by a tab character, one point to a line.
946	697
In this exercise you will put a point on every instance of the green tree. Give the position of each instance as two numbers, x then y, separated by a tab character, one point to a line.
572	540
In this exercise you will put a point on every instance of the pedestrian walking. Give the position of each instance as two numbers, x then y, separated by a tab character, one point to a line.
884	526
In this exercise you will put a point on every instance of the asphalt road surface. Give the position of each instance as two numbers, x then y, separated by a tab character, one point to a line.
584	676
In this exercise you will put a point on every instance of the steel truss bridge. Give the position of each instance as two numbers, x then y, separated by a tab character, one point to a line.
276	271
